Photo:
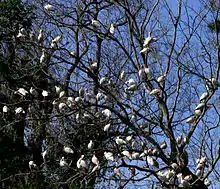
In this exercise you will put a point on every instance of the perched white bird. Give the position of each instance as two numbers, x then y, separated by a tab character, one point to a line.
109	156
197	112
174	166
126	154
135	155
95	160
44	154
44	93
5	109
99	96
200	105
63	162
120	141
19	110
149	40
146	69
94	66
62	106
163	145
107	113
68	150
203	96
207	182
21	91
21	33
70	99
150	160
33	91
90	145
112	29
103	80
43	56
179	139
78	99
107	127
161	79
131	88
62	94
58	89
142	74
95	23
155	152
128	138
145	50
169	174
122	76
81	164
48	7
32	165
96	168
130	81
57	39
40	36
155	91
191	120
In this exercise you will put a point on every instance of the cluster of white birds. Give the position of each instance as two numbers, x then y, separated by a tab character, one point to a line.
200	166
147	43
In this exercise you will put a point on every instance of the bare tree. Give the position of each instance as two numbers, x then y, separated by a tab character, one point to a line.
124	92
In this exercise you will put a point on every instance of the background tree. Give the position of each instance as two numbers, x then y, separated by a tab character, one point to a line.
123	92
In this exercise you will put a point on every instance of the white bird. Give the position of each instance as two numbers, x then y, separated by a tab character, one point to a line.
130	81
200	105
150	160
143	154
155	152
95	160
207	182
53	45
155	91
94	66
91	145
112	29
78	99
199	172
63	162
103	80
197	112
126	154
57	89
109	156
43	56
68	150
107	113
62	106
33	91
5	109
44	154
146	69
200	166
96	168
179	139
170	173
48	7
149	40
99	96
21	33
19	110
21	91
32	165
174	166
57	39
203	159
81	164
142	74
95	23
163	145
62	93
44	93
40	36
145	50
203	96
190	120
161	79
128	138
122	76
70	99
131	88
107	127
135	155
120	141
